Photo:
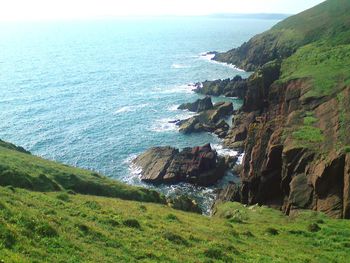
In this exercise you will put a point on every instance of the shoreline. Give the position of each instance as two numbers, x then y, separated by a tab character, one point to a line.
204	196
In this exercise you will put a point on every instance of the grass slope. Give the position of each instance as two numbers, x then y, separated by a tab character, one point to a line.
328	21
328	67
57	227
18	168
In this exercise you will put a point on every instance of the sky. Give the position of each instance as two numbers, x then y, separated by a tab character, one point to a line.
13	10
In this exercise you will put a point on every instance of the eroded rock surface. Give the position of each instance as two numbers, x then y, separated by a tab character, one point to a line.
279	170
198	165
209	120
235	87
198	106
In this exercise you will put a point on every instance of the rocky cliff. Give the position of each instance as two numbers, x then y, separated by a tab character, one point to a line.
295	120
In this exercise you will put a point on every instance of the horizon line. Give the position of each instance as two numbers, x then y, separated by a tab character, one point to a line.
86	18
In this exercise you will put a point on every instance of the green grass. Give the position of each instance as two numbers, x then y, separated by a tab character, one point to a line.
344	122
347	149
40	227
20	169
328	21
308	132
324	21
327	67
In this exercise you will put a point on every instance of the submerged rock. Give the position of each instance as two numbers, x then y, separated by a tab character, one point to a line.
198	165
198	106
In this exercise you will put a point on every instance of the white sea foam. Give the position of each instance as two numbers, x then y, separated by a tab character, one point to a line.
224	151
173	107
164	125
178	66
130	108
240	158
209	57
168	124
134	175
188	88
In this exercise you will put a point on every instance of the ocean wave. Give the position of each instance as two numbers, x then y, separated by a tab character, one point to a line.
133	176
173	107
209	57
188	88
178	66
240	158
130	108
164	125
224	151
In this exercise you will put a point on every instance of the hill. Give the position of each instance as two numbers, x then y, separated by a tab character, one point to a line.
329	21
294	126
18	168
51	212
295	119
62	227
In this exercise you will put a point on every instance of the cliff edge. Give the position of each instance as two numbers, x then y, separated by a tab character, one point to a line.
295	120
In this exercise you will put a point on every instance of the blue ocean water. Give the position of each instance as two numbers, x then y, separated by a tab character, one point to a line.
96	93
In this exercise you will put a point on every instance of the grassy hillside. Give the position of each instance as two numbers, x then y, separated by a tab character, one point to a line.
60	227
327	66
329	21
18	168
326	20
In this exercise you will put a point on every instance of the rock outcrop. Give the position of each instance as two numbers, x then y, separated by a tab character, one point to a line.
294	122
209	120
198	165
198	106
235	87
278	169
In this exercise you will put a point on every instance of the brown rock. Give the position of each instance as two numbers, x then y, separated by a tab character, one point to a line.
198	106
198	165
209	120
155	163
346	197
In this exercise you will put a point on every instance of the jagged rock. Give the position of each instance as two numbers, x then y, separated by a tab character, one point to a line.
285	165
346	205
221	129
198	106
155	163
328	181
230	88
239	130
198	165
300	192
221	110
209	120
230	161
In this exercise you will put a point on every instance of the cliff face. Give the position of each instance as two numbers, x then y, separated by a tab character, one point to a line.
280	170
295	124
284	165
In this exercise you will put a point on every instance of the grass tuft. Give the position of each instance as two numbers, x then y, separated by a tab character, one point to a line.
271	231
176	239
133	223
313	227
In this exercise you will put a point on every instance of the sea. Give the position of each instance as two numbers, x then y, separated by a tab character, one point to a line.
97	93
